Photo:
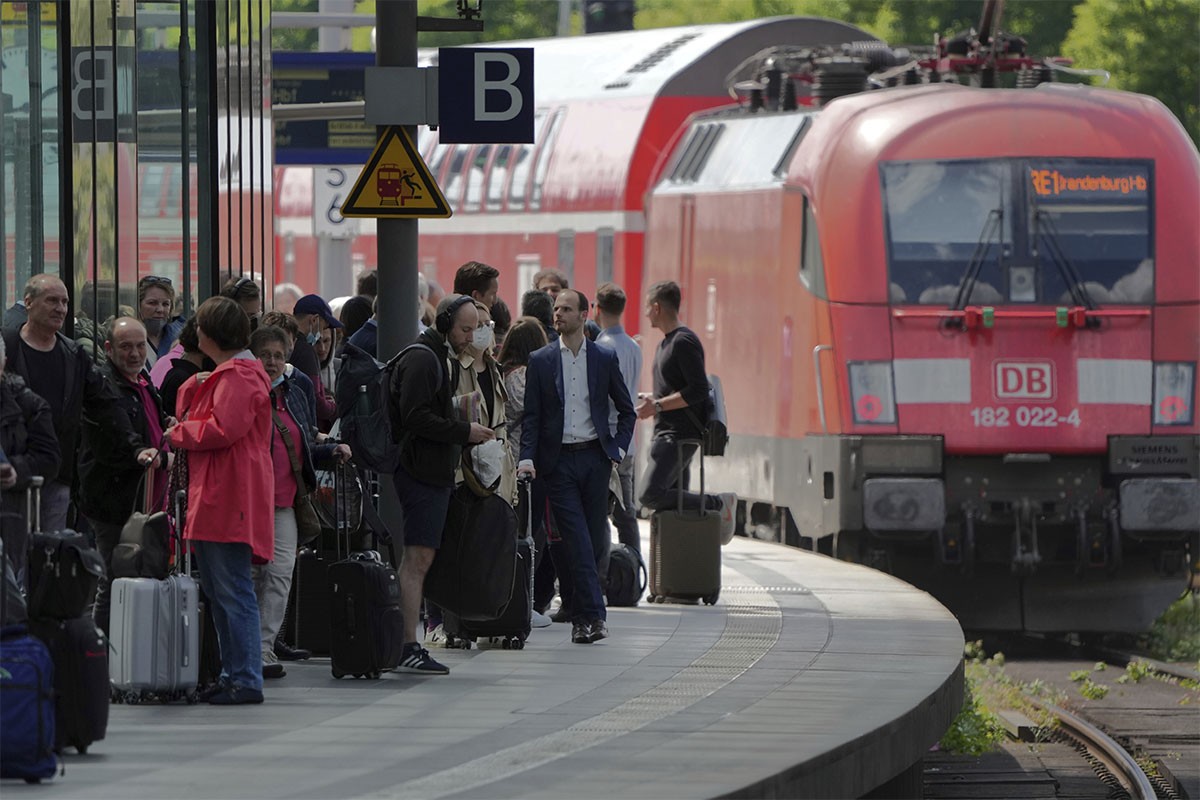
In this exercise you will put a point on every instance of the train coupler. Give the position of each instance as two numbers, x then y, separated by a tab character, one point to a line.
1093	546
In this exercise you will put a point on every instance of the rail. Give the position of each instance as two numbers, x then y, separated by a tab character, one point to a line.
1104	749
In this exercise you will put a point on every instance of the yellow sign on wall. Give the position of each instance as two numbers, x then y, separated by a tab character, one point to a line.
395	183
19	12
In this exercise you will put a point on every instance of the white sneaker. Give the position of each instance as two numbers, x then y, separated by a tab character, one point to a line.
728	516
540	620
436	637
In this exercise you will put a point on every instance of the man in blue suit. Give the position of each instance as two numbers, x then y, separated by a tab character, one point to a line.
567	440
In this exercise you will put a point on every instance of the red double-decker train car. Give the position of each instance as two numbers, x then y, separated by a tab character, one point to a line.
608	107
957	330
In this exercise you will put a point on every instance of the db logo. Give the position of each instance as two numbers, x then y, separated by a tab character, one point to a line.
1026	380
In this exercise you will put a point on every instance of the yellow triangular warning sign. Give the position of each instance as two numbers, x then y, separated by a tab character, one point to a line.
395	183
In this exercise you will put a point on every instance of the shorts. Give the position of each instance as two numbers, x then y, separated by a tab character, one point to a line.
425	507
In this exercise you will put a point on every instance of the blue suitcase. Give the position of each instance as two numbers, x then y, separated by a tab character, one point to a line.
26	707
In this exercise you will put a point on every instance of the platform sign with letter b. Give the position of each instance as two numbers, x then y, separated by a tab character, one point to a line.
485	95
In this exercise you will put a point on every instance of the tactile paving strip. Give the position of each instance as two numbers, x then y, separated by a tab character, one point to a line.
753	621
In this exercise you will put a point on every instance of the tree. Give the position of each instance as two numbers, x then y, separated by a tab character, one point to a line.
1149	46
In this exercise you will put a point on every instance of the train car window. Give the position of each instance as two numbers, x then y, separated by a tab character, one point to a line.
150	192
781	166
543	159
453	182
174	197
604	255
812	266
694	155
1090	218
498	176
1021	231
566	253
942	218
518	187
475	178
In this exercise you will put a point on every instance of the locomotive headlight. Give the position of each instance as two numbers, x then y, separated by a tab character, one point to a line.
1173	392
872	392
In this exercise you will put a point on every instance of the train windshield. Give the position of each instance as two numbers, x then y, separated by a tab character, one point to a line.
1019	231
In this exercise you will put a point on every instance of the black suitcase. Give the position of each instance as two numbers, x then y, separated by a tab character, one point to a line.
81	687
63	569
307	623
366	623
473	573
512	627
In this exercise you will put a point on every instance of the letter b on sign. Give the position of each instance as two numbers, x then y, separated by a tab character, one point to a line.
1024	380
485	95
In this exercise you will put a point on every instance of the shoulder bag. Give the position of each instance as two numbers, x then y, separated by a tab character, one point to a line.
308	524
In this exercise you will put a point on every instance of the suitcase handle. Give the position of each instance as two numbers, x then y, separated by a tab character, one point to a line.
187	653
33	505
679	443
184	555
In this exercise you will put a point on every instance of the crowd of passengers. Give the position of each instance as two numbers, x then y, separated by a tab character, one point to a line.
236	406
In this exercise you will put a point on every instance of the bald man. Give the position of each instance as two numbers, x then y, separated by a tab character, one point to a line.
62	374
110	473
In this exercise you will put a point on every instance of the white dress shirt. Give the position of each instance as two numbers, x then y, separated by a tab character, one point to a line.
577	411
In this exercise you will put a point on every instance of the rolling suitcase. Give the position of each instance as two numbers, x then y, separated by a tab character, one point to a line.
474	570
366	623
685	549
63	569
512	627
81	687
26	707
155	636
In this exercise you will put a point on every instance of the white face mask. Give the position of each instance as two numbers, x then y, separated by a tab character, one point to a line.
483	338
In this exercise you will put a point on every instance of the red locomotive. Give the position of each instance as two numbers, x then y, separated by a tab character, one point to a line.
957	330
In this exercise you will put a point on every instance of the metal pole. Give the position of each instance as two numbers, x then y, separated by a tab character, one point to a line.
564	17
334	255
396	46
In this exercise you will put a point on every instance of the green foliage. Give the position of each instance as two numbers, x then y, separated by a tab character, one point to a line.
293	39
1080	675
1135	671
1149	46
1176	634
1092	690
975	730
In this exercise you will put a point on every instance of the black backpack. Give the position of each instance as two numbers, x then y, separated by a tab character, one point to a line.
626	576
362	392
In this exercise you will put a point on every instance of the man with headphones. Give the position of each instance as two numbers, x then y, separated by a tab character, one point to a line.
431	441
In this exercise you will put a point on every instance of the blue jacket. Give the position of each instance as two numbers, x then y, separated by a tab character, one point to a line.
301	400
542	425
170	334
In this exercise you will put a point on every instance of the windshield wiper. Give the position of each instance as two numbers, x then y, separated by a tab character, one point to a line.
1066	269
991	226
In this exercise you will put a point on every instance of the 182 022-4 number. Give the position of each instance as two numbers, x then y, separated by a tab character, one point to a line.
1023	417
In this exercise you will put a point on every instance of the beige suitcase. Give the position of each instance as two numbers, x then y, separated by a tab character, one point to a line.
685	549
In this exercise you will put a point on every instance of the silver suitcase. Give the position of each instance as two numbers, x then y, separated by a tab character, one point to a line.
155	637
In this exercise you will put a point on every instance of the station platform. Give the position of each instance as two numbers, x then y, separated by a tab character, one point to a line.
810	678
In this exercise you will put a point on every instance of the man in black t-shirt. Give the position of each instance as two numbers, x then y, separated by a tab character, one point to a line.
63	374
678	405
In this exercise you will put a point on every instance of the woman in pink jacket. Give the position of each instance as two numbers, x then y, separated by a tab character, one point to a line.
226	429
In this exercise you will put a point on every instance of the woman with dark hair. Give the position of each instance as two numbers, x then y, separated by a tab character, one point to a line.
355	313
502	321
525	336
190	362
226	431
155	309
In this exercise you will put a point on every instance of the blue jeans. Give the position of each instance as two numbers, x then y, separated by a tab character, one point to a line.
578	489
225	573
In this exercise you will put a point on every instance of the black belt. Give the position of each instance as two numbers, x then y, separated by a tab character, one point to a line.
573	446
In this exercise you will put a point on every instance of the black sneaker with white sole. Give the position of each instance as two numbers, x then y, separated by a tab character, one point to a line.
417	661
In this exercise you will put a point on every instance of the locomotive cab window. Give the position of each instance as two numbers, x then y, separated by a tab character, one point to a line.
812	266
1019	231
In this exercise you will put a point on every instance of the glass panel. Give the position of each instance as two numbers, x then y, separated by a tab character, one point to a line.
475	177
498	176
30	146
522	166
454	175
543	160
1049	231
1093	219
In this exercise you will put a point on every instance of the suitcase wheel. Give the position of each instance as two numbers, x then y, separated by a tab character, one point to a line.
711	599
376	675
82	748
506	643
133	698
337	673
518	644
33	780
192	698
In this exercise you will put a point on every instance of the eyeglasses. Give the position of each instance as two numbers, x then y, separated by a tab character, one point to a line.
242	281
152	279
